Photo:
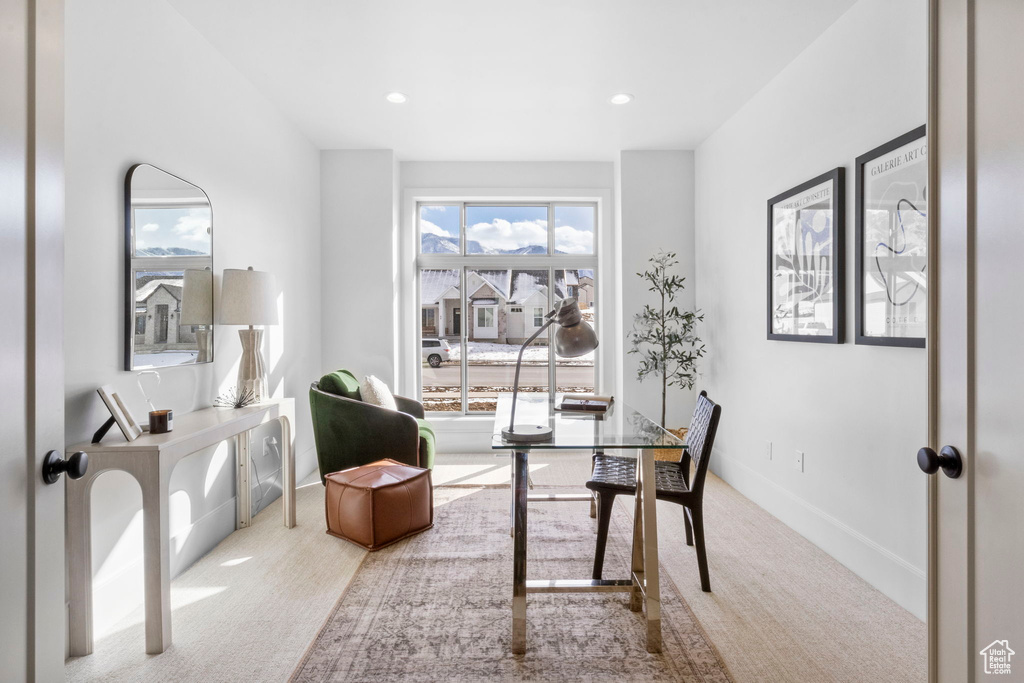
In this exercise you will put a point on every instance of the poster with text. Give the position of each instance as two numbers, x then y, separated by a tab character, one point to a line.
805	261
892	243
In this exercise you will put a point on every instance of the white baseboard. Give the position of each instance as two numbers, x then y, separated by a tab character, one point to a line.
891	574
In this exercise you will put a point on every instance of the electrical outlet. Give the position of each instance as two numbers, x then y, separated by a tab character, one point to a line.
799	463
768	451
268	441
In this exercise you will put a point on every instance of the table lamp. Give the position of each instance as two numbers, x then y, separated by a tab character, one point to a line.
197	308
247	298
573	338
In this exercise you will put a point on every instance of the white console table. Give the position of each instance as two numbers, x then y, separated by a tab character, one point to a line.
151	459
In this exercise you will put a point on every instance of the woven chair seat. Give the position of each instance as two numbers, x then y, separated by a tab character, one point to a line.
616	476
615	472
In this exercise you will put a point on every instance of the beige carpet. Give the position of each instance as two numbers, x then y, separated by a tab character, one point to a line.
781	610
244	612
437	607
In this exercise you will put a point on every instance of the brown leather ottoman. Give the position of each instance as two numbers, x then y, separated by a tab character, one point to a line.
378	504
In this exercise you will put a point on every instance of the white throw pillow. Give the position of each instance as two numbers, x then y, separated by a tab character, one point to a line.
376	392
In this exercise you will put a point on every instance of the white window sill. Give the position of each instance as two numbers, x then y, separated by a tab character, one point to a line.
461	423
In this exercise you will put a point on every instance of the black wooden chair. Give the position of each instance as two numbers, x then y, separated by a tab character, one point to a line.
614	476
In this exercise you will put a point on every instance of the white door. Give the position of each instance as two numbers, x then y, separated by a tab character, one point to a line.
31	338
976	134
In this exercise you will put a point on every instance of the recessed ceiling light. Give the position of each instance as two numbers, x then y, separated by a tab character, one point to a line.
621	98
396	98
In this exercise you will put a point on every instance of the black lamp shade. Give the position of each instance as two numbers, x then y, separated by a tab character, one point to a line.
574	337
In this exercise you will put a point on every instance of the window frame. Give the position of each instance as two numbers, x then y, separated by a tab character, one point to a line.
464	262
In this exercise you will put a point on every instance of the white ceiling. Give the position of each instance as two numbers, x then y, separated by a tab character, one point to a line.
511	80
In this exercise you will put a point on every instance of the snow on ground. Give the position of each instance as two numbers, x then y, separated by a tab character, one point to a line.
482	352
164	359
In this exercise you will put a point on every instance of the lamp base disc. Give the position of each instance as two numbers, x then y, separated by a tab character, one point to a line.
526	434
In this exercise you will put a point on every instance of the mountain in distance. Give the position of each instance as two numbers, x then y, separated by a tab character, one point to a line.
531	249
444	244
168	251
474	247
439	244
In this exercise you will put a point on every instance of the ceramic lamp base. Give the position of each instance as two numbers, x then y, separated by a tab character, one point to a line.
526	434
252	374
203	343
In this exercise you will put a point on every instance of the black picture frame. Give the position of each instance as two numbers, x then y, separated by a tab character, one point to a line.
837	255
919	174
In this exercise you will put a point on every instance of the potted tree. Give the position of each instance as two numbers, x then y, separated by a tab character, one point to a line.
663	336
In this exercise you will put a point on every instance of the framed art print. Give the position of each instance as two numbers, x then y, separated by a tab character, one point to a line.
805	261
119	411
892	243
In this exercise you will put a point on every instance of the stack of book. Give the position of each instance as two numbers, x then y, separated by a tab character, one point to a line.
585	403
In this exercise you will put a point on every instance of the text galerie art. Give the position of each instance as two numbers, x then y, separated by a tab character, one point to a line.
892	243
805	261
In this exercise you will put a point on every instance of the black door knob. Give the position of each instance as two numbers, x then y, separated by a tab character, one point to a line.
54	466
948	459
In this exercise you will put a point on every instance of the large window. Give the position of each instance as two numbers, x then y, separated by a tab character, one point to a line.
488	273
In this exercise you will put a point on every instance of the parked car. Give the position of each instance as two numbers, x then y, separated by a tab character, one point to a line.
436	351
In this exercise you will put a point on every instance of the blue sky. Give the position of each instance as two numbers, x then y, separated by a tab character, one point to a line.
512	227
173	227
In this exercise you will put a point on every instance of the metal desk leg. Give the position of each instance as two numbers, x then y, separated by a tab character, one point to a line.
512	498
652	588
519	494
636	595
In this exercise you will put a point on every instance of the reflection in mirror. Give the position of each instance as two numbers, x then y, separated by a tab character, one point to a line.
169	269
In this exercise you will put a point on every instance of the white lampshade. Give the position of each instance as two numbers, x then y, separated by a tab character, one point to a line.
247	298
197	298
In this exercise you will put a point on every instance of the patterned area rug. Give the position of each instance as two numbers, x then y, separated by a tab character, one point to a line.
438	606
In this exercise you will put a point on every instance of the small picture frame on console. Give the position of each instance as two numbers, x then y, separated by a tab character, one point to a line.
892	243
805	261
119	414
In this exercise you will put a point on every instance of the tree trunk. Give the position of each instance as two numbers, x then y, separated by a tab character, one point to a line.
664	362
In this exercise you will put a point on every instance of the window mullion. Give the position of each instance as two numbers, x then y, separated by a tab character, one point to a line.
551	345
551	229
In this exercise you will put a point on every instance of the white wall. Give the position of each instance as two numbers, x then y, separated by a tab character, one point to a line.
858	412
657	213
358	200
508	174
144	86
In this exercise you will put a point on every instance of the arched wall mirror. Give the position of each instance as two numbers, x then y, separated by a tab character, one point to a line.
168	271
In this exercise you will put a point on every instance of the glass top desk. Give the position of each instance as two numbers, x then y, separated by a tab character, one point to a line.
620	428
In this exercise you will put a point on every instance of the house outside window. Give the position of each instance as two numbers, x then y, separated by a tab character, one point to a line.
488	274
429	322
486	323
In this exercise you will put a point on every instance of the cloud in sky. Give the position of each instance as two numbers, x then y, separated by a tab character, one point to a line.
194	226
504	235
428	228
574	241
151	227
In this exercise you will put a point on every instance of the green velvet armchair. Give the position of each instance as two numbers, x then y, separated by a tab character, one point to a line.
349	432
